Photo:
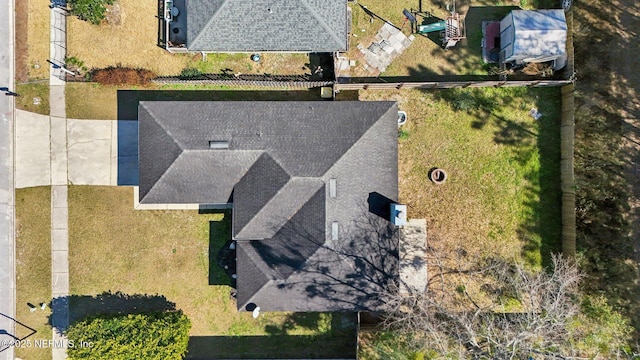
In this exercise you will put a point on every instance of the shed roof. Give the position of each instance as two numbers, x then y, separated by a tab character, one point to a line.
267	25
539	32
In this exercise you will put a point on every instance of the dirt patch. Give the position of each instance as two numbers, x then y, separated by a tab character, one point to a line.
21	47
114	15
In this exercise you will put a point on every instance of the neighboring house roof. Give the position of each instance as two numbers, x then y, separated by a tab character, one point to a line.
535	32
303	177
267	25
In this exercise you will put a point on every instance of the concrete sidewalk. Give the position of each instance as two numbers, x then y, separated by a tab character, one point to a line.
7	194
59	170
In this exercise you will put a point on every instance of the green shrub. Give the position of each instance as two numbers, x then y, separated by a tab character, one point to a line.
190	73
464	101
159	335
93	11
403	134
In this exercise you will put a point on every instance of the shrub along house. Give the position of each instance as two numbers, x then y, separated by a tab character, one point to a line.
310	185
254	25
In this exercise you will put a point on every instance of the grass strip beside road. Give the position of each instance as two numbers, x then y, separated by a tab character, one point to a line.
33	268
33	97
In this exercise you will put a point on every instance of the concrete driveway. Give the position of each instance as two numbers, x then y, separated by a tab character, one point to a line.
91	150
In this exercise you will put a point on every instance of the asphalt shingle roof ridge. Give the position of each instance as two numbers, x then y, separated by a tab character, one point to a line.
329	30
209	23
173	140
279	192
164	174
164	128
254	257
360	138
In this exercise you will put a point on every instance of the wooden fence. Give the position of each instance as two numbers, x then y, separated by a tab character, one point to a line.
567	180
447	84
248	80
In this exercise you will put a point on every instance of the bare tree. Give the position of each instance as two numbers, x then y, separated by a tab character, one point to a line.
492	310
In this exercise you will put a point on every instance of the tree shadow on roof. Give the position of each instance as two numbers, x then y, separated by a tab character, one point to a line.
348	273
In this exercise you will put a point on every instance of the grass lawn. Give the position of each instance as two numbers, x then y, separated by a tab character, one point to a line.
172	254
32	39
270	63
502	196
28	92
93	101
33	266
131	43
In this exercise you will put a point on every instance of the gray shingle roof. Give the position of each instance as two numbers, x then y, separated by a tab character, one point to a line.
280	160
267	25
265	222
255	190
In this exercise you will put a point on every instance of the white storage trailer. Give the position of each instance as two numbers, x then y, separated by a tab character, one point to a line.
528	36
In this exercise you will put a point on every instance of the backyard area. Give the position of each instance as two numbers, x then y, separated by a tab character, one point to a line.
502	196
171	256
425	57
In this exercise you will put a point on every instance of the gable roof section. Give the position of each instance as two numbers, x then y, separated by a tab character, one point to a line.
305	139
539	32
156	140
255	190
267	25
198	177
265	222
328	275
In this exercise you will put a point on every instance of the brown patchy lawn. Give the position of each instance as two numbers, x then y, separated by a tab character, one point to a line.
21	40
28	92
32	45
114	247
91	101
33	266
131	43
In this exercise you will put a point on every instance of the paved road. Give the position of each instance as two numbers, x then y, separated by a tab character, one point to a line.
7	243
